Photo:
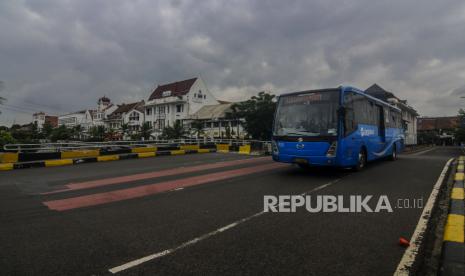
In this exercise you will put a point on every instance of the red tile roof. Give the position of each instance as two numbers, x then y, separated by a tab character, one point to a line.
178	88
435	123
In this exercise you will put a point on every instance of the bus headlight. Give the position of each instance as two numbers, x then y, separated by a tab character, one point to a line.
274	147
332	150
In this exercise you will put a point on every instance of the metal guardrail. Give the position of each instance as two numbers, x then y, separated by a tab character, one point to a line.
77	145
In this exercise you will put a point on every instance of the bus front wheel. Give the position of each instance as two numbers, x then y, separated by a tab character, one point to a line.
362	160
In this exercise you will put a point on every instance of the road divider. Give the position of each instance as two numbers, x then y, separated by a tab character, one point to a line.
61	162
102	158
22	160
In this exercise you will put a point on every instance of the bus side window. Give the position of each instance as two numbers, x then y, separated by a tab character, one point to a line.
387	117
349	118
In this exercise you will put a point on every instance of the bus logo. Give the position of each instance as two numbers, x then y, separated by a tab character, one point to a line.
300	146
300	139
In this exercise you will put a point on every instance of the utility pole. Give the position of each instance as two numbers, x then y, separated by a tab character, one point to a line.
2	99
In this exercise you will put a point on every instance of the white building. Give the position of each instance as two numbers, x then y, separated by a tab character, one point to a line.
130	114
409	114
217	123
176	101
40	118
82	118
89	117
104	109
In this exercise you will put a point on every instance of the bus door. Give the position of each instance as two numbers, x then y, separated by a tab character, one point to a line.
381	125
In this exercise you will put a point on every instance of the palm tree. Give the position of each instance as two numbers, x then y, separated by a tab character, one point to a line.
77	131
124	129
175	132
197	128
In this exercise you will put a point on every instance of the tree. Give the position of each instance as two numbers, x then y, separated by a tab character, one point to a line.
47	130
460	131
6	138
258	114
22	133
77	131
197	128
124	129
97	133
61	133
35	134
145	130
175	132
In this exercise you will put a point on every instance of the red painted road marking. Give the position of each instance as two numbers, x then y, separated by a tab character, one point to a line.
142	176
151	189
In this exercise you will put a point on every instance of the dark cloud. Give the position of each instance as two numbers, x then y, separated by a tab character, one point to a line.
63	55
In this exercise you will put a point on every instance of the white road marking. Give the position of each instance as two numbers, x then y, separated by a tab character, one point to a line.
410	254
145	259
423	152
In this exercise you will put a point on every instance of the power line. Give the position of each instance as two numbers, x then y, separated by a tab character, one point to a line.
37	104
15	109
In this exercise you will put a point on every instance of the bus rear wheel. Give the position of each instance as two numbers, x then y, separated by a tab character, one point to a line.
393	156
362	161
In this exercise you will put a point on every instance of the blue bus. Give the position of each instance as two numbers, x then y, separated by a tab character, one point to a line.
341	127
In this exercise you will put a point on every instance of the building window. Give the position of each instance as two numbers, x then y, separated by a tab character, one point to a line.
149	111
161	109
166	93
179	108
134	116
204	96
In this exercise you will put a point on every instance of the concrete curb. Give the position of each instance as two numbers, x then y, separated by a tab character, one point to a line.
453	252
103	158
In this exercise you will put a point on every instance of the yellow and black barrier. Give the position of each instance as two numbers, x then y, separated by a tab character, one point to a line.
10	161
453	261
225	148
84	158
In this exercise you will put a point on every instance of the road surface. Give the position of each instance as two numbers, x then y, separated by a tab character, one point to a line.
202	215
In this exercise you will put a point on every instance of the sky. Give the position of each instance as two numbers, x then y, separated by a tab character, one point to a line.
61	56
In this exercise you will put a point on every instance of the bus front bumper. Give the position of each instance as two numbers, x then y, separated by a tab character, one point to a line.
309	160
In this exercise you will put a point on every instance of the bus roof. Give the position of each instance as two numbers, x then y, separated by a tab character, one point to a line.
345	89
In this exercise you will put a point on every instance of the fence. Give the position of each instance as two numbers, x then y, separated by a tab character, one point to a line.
255	145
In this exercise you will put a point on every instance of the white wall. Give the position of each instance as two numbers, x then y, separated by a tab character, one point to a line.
196	103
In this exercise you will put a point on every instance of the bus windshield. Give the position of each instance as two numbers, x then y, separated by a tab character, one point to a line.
309	114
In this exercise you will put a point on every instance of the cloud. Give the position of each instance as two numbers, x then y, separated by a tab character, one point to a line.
63	55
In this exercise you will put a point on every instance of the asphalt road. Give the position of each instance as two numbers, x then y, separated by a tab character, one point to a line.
201	215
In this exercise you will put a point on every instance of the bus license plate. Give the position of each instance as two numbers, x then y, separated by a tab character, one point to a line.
300	161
